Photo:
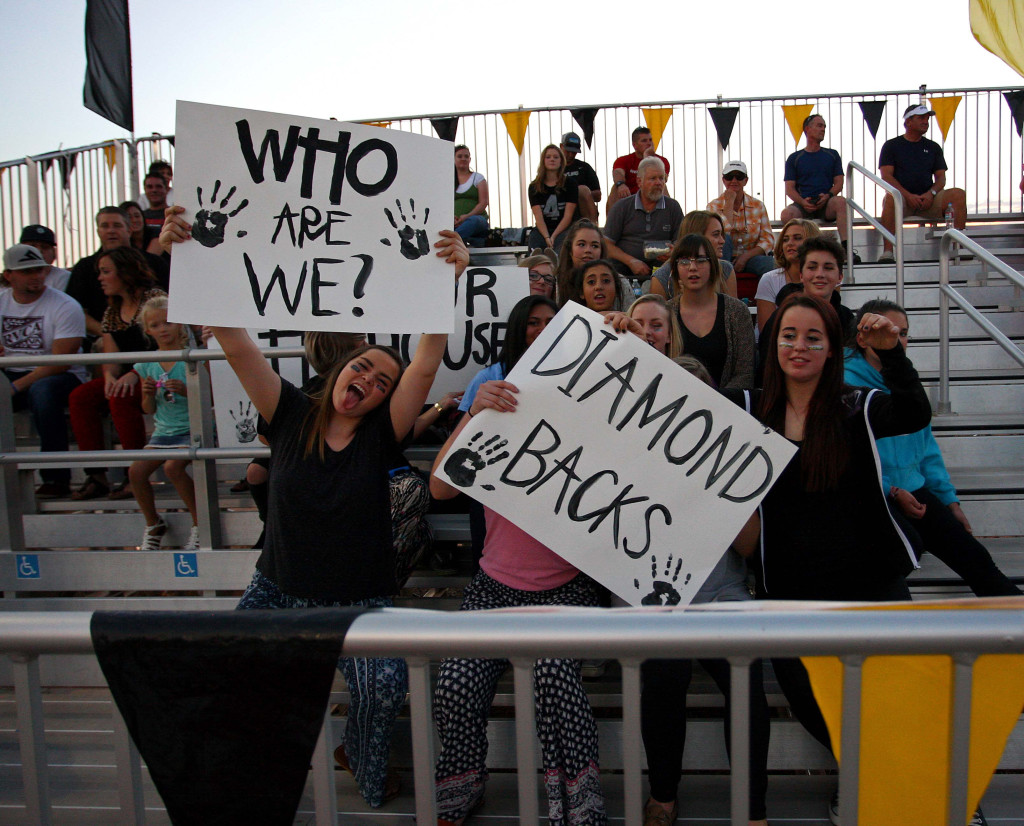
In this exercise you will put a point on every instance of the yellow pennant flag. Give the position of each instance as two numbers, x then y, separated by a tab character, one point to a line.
795	114
905	734
657	120
945	111
383	124
998	25
516	123
110	153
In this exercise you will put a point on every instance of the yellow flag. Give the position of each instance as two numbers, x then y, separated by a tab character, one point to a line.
110	153
657	120
795	114
945	111
516	123
383	124
998	25
906	703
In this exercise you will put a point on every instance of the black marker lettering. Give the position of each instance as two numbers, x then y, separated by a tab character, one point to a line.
623	375
699	414
653	509
282	161
765	483
646	401
277	277
567	465
352	169
312	144
317	283
480	282
287	215
722	444
538	454
556	371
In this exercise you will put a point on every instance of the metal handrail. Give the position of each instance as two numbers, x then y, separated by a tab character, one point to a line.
947	293
896	238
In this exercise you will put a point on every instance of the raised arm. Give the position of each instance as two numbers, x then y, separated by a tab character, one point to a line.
261	384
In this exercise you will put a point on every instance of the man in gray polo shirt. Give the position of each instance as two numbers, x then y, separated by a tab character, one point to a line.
649	217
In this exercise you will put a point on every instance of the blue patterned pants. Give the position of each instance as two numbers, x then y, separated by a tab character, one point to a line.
377	687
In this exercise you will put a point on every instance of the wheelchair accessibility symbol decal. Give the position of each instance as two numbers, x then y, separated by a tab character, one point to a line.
28	566
185	565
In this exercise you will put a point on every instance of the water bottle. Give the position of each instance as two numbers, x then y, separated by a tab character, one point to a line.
636	288
949	216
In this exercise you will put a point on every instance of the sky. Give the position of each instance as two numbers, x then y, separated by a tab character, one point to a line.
386	58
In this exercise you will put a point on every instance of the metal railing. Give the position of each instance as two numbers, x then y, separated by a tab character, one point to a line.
894	238
522	636
948	293
982	150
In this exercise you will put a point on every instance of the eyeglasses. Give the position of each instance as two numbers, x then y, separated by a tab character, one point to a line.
536	276
734	176
686	263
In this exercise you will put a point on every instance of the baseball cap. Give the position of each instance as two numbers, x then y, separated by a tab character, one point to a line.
23	257
735	166
37	232
918	109
572	142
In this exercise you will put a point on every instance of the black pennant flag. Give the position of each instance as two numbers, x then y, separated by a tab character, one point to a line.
108	62
872	111
445	128
585	119
67	166
724	118
1015	100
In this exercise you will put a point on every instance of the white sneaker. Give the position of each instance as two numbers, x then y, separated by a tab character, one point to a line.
833	810
153	536
193	539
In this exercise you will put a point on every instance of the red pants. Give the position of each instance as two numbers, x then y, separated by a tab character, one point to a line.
88	404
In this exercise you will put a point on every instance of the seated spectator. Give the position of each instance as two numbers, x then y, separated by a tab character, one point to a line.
144	238
814	180
43	239
714	327
640	230
599	286
541	266
552	199
128	283
916	479
750	241
708	224
84	286
584	242
471	199
156	194
917	168
787	256
583	175
164	169
659	326
37	320
625	170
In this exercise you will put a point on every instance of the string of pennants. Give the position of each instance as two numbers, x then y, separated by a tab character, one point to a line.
724	119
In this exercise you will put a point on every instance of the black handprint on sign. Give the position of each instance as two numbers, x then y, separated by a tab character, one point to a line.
245	423
406	234
664	592
208	227
463	464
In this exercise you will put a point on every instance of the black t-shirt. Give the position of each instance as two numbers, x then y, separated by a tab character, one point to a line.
582	173
328	532
711	349
914	162
84	285
552	202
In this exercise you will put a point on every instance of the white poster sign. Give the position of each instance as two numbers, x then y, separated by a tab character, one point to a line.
484	298
619	460
309	224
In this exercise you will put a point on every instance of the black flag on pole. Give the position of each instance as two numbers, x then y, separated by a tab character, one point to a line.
872	111
108	62
225	707
724	119
585	119
1015	100
445	128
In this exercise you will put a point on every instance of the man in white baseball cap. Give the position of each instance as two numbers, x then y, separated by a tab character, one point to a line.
916	167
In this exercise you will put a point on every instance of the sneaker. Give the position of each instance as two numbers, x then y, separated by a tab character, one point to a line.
886	258
856	258
193	539
152	536
833	809
978	819
53	490
592	669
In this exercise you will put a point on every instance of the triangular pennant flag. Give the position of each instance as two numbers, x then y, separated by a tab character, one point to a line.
445	128
998	25
945	111
516	123
1015	100
657	120
585	119
912	695
724	119
383	124
795	114
44	166
872	111
110	153
170	139
67	166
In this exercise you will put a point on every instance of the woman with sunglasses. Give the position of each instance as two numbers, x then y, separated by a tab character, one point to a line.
751	241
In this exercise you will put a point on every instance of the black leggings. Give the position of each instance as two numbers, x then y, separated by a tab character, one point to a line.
663	725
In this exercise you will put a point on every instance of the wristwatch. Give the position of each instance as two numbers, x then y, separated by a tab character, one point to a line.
934	193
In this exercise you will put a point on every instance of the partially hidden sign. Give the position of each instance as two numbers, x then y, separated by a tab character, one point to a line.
310	224
619	460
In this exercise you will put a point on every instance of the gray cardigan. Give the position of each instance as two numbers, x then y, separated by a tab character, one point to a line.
738	372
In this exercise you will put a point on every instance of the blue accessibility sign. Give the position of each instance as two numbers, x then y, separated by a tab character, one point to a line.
186	565
28	566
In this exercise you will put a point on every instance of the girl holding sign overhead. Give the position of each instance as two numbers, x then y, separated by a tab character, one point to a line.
515	570
334	548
